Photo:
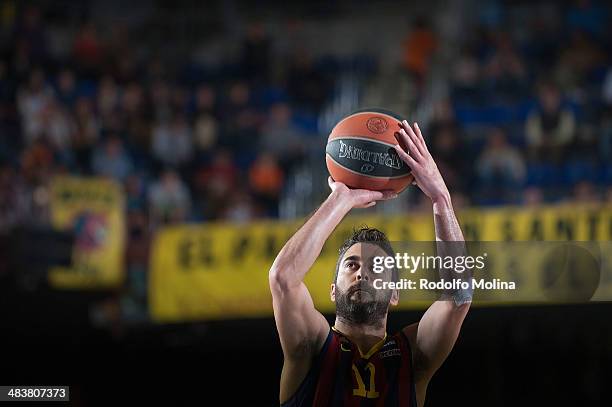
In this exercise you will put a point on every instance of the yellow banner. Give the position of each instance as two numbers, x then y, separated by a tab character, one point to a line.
217	271
93	208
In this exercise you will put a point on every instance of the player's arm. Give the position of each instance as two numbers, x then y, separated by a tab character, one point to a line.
435	334
302	329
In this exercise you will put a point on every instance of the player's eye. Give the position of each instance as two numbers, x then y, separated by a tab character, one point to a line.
351	265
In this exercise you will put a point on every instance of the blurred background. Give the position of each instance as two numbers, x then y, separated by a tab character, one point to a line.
123	121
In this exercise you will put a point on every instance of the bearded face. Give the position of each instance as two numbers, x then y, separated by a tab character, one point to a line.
357	301
361	305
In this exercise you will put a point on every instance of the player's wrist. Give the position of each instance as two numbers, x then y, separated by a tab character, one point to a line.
341	200
441	198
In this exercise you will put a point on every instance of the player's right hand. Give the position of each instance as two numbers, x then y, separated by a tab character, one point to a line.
358	198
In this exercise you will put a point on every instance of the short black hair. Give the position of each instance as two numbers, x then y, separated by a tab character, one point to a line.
366	235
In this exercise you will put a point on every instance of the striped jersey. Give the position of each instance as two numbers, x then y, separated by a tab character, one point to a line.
341	375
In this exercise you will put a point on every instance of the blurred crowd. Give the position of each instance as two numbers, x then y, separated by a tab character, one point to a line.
187	144
529	114
528	117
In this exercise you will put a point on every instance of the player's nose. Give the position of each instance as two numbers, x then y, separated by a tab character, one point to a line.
362	276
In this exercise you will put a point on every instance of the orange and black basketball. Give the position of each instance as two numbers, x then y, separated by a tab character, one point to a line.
360	152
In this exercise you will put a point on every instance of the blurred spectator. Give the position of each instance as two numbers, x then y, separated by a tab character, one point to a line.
206	127
577	61
108	96
241	122
240	208
585	193
206	101
256	53
66	92
37	162
500	169
419	46
132	99
281	138
466	77
449	154
443	114
533	196
266	180
14	199
172	141
608	197
205	133
31	35
179	98
215	183
160	100
33	100
308	87
59	126
110	159
169	199
550	127
87	50
505	72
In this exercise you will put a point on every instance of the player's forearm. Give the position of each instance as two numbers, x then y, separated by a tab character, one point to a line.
445	222
450	243
300	252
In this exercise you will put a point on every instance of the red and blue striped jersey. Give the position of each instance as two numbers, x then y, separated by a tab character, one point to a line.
341	375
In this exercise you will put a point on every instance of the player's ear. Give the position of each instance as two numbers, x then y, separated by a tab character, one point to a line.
394	298
332	292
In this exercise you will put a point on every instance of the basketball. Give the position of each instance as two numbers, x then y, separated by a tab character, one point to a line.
360	152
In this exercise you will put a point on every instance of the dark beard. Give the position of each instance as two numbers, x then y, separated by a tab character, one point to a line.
358	312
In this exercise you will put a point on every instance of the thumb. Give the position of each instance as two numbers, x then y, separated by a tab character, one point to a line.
389	194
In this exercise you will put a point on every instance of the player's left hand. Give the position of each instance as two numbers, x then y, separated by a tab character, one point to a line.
413	151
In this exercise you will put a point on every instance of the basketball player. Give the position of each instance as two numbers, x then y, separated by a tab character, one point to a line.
355	363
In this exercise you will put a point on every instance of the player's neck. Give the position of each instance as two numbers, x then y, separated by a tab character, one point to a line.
365	336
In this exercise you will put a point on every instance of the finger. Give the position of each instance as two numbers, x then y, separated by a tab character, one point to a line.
330	181
415	139
415	150
373	196
412	135
400	139
370	204
417	130
405	157
389	194
412	148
